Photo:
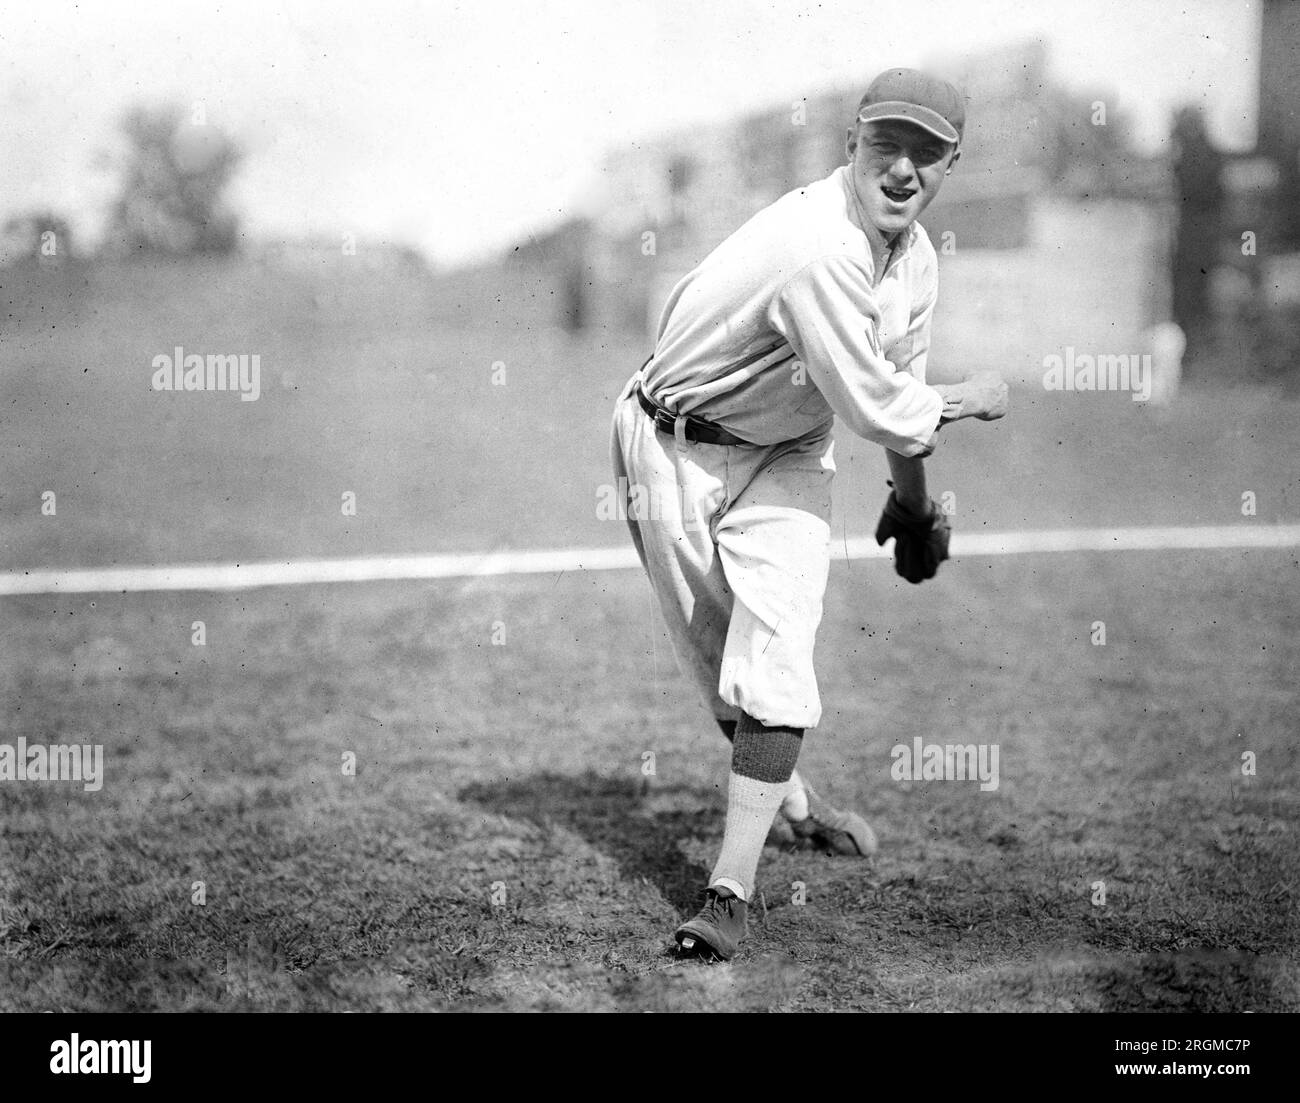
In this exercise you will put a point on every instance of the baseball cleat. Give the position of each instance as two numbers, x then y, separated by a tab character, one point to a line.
718	928
830	829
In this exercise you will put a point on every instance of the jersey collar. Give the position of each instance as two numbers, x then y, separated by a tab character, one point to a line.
902	241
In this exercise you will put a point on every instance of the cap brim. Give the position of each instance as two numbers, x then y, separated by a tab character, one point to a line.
923	117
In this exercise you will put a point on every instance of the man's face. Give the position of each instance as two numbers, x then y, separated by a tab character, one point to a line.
897	171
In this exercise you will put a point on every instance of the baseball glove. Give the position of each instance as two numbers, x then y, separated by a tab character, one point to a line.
920	540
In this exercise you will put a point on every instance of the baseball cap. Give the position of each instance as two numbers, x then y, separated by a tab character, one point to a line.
915	97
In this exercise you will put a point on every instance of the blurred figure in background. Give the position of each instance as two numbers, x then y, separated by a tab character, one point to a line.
1198	228
1167	343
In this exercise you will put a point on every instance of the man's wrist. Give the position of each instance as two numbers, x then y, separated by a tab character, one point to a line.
954	396
916	504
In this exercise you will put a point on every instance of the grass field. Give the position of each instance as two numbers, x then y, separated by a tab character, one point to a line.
499	846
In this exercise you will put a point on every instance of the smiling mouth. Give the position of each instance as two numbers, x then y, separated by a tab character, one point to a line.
898	195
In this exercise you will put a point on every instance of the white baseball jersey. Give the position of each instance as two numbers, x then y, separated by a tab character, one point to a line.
787	322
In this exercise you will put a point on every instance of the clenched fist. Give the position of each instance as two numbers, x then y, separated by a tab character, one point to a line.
987	391
983	395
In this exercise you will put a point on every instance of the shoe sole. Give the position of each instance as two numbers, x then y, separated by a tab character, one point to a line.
857	840
697	942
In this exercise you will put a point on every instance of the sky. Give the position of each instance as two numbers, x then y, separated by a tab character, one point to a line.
458	127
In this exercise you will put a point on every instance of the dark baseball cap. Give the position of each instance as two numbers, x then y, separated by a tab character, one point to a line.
915	97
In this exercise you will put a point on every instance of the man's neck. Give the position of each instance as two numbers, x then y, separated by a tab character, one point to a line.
882	246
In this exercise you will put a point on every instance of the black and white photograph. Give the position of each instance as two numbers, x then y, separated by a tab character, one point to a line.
651	506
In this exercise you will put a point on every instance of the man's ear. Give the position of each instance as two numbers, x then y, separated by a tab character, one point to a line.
851	142
956	156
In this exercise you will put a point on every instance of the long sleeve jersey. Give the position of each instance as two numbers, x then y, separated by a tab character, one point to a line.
785	324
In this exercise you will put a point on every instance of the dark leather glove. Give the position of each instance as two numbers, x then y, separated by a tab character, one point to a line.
920	540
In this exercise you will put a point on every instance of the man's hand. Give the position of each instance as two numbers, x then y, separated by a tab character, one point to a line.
920	538
988	393
983	395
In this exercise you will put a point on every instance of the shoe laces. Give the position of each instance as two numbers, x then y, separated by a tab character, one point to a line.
715	902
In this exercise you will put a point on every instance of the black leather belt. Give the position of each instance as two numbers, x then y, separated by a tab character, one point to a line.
697	429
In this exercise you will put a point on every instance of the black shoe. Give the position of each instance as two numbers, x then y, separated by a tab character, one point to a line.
834	831
718	928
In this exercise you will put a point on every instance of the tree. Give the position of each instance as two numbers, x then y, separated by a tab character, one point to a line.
174	178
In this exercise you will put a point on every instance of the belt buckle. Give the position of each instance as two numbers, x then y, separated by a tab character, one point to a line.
662	418
666	421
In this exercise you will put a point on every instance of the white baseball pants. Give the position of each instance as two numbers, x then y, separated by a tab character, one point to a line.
736	542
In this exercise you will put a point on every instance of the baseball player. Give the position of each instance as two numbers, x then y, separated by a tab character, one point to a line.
818	305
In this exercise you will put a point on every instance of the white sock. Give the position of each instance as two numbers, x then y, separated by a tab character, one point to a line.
728	883
751	807
795	805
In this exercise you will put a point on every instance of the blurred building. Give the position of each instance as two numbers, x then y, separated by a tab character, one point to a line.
676	197
1052	231
1279	111
1047	231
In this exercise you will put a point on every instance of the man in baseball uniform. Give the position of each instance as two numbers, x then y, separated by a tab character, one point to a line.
819	305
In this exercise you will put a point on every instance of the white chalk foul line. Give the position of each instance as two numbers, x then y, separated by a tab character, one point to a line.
307	572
